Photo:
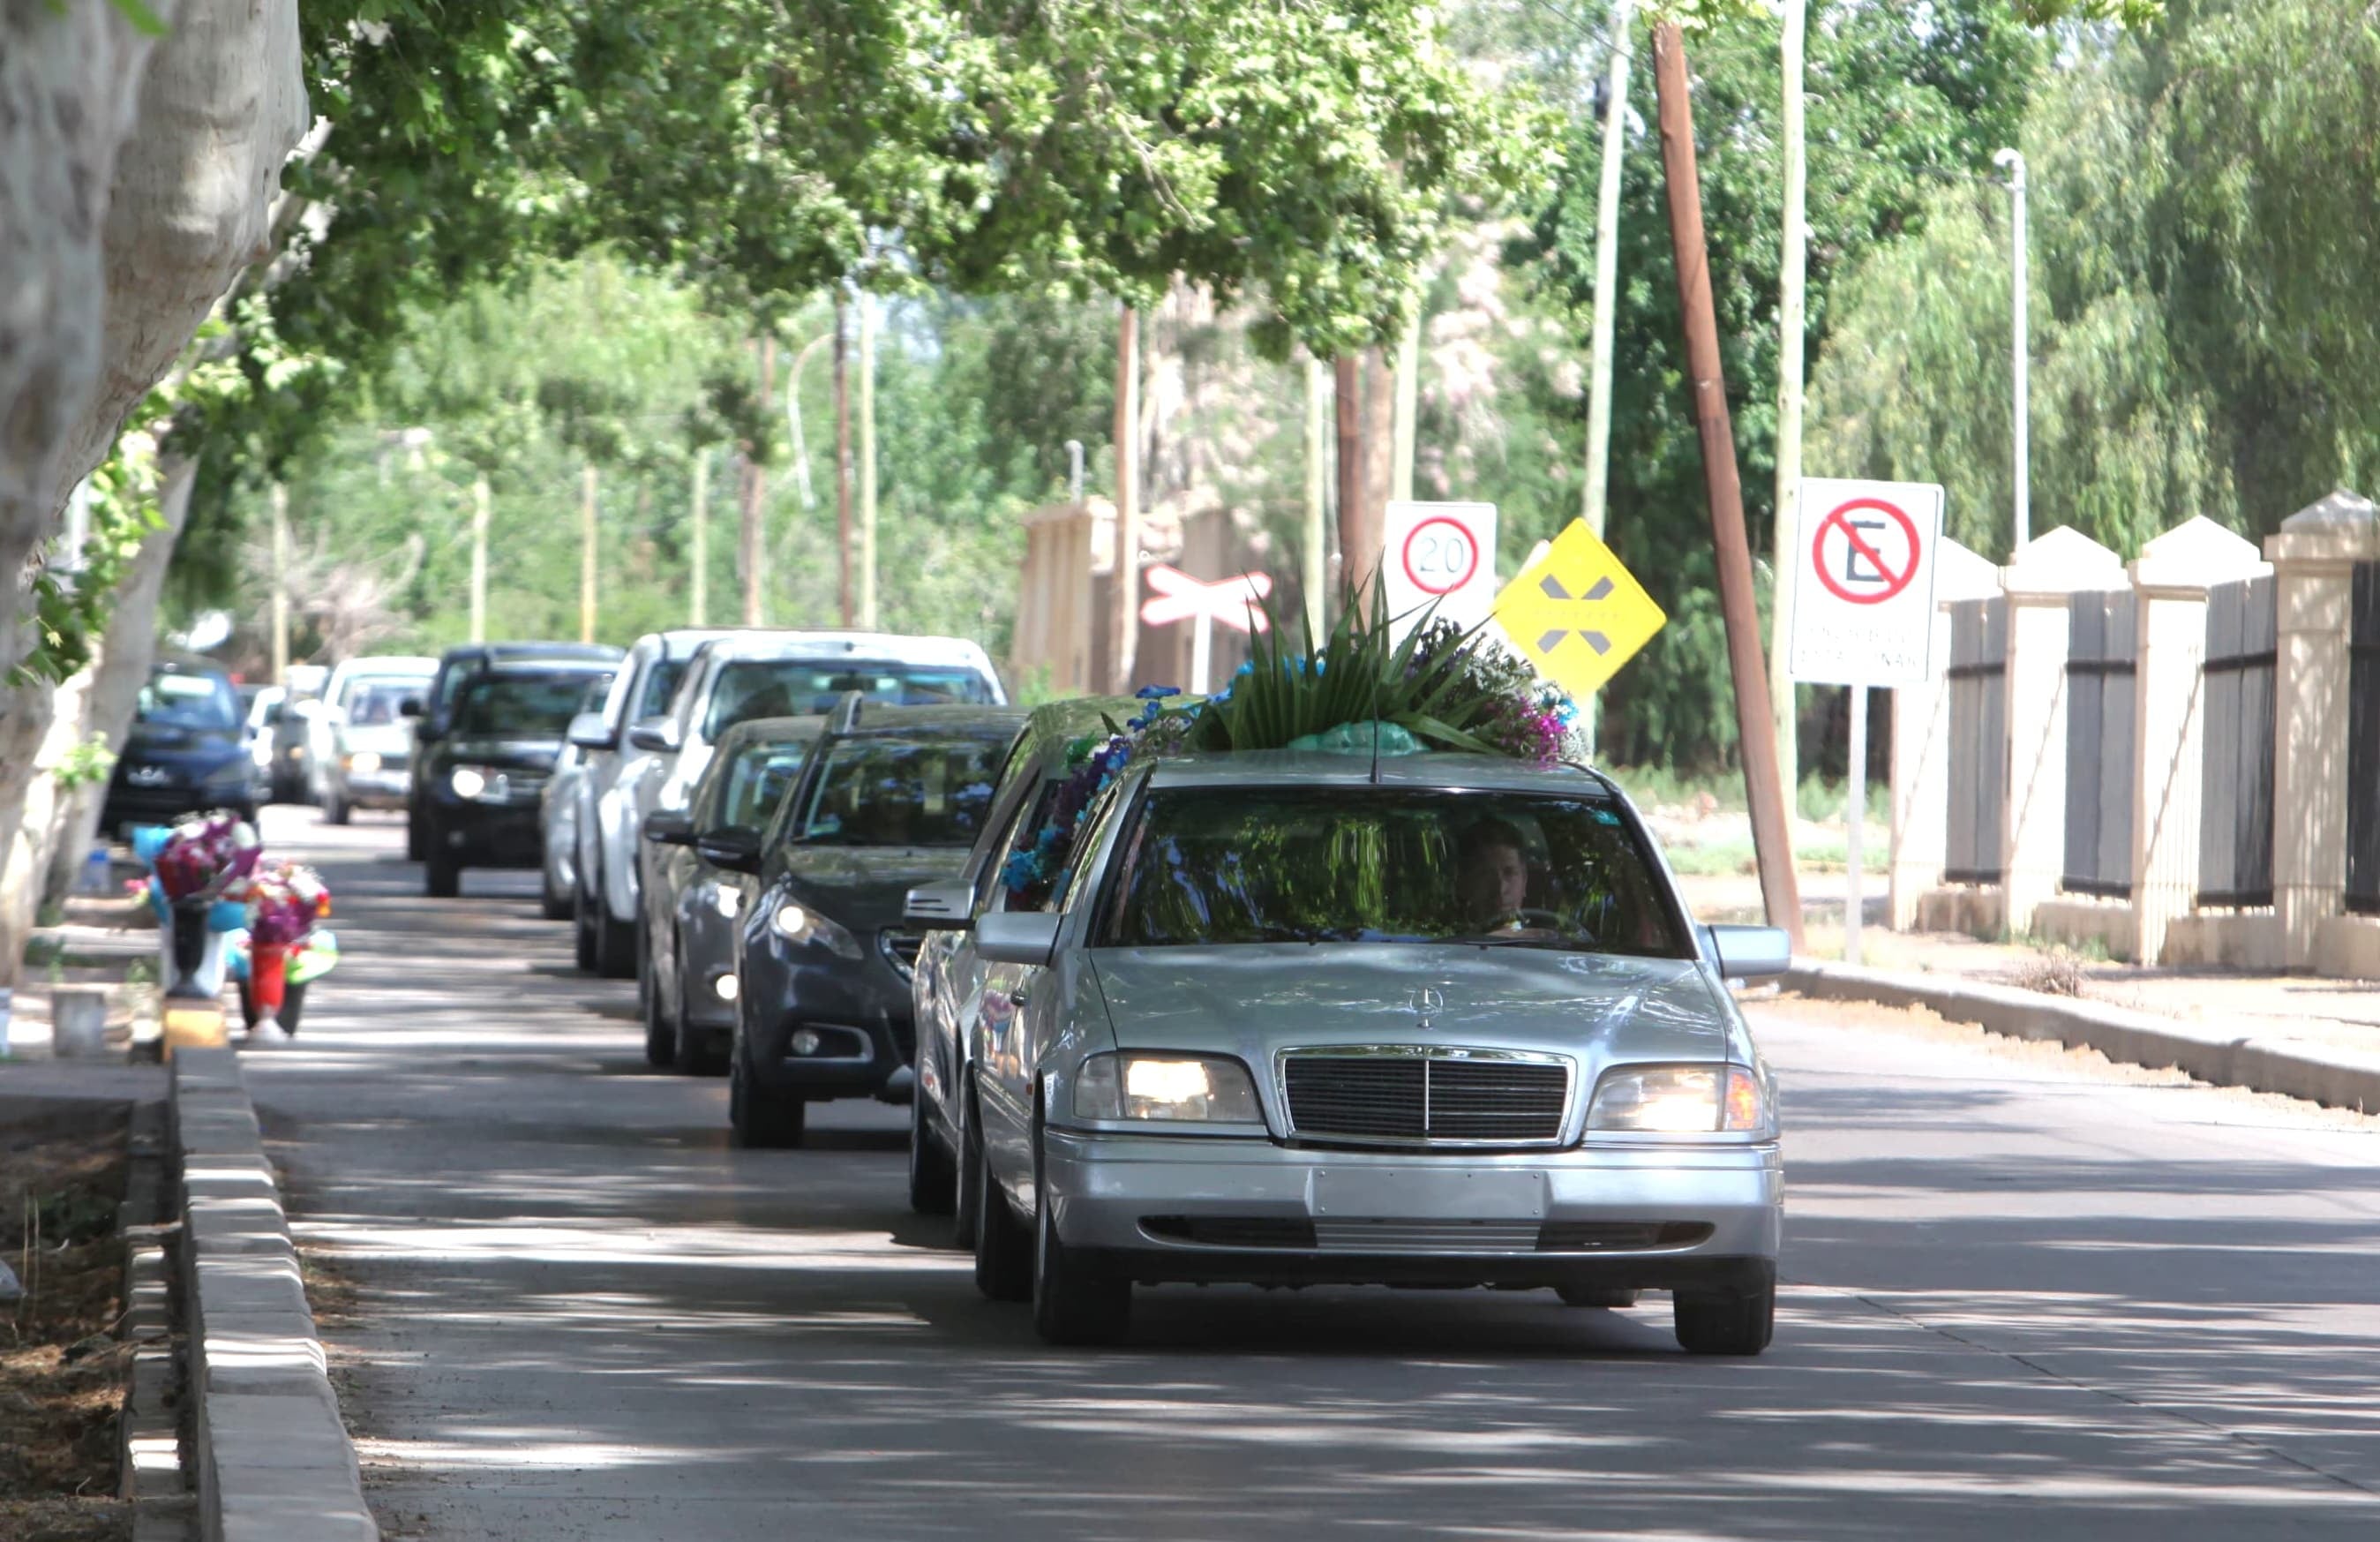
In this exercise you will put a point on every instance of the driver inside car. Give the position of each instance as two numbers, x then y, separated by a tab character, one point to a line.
1492	879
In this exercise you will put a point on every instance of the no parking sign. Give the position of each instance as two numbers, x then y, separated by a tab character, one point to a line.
1863	597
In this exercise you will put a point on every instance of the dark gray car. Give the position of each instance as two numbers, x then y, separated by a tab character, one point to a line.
686	981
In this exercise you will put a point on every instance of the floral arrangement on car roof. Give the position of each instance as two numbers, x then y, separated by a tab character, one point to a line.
1360	690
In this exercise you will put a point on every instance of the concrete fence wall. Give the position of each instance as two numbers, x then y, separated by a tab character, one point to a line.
2193	757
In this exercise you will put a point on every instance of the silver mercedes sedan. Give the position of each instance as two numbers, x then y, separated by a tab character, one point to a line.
1438	1020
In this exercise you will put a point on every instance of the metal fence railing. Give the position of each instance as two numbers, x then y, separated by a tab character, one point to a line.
1979	726
2235	831
2363	743
2101	686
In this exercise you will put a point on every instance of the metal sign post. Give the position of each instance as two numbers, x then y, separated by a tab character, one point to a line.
1863	616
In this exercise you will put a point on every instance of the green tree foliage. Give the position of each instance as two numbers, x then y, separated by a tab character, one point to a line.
1902	101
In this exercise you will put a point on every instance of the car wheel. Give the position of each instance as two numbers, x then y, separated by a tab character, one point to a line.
582	927
1072	1301
970	1181
334	807
1740	1324
442	875
661	1034
557	904
1596	1295
757	1121
417	835
1003	1247
933	1177
615	942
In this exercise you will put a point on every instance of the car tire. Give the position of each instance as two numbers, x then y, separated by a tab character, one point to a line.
417	835
933	1176
1596	1295
661	1034
442	875
758	1122
1737	1324
334	807
553	905
697	1055
615	942
582	927
1003	1244
969	1181
1073	1302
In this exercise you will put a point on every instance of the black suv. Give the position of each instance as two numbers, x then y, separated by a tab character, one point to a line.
458	667
890	797
184	753
482	775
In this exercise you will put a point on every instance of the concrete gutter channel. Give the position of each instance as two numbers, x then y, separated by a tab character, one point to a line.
2341	1078
274	1462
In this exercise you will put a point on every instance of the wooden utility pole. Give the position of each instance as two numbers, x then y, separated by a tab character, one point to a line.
868	463
698	599
480	500
1356	554
280	585
1607	292
1755	723
1124	615
842	460
586	553
753	532
1316	571
1794	269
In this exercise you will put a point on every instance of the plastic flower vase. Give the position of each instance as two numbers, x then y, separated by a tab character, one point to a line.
193	949
268	978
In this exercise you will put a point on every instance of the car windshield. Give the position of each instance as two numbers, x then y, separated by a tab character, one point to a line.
751	688
1224	865
889	791
661	684
374	703
519	706
175	699
755	781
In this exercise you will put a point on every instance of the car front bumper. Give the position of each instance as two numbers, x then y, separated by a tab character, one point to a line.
489	834
380	789
859	1008
1217	1211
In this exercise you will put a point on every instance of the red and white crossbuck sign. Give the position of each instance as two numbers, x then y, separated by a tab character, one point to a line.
1237	602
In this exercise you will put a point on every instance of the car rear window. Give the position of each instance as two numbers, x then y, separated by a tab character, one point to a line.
178	698
1234	865
750	688
893	790
374	703
520	706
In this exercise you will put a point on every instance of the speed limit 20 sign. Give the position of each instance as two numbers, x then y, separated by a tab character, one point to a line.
1438	559
1864	594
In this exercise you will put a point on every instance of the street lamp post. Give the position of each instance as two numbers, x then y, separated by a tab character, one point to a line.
2012	161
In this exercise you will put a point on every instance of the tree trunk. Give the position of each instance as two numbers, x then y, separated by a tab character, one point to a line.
842	463
1124	615
1356	554
1380	455
113	688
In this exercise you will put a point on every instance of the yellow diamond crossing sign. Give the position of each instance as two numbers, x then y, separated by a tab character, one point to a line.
1576	613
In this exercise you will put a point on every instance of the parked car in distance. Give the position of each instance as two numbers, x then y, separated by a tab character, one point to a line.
686	969
950	973
1440	1020
457	666
889	798
301	698
183	753
558	817
264	717
602	792
738	677
364	740
487	768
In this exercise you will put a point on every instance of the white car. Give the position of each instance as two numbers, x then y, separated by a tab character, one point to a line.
759	675
584	805
362	740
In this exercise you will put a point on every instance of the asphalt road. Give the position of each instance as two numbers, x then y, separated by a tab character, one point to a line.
2025	1296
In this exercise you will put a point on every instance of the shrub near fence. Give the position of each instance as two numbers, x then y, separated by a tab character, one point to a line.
2101	689
2235	842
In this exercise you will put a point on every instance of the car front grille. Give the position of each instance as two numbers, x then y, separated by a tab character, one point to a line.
1298	1234
1405	1094
900	949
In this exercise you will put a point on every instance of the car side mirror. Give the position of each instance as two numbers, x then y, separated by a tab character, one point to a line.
658	735
735	849
938	907
409	707
1017	937
589	731
1750	952
663	828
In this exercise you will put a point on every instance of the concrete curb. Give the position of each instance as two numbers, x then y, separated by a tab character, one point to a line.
273	1461
2341	1078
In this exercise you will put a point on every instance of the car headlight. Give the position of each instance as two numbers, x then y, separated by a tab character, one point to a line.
1679	1099
1192	1087
467	781
798	923
363	762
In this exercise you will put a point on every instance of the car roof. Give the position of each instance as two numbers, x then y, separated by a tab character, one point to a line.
956	719
494	652
188	663
794	730
552	666
888	646
680	642
386	663
1437	769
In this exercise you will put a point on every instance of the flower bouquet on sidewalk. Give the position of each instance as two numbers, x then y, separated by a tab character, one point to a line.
282	949
192	866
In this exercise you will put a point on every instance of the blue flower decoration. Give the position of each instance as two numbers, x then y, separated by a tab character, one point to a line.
1157	693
